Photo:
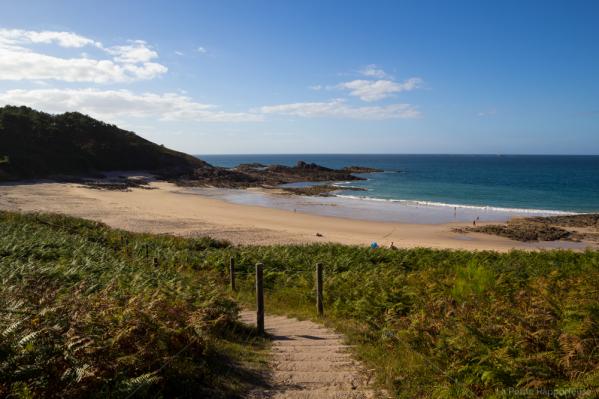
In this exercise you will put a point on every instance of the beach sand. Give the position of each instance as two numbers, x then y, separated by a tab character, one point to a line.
170	209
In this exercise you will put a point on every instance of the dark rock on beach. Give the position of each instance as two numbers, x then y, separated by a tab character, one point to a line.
303	171
361	169
522	231
254	166
550	228
583	220
324	190
260	175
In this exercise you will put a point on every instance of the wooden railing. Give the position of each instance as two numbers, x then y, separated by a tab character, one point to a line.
259	278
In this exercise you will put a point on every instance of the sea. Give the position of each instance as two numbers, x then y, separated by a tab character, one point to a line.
440	188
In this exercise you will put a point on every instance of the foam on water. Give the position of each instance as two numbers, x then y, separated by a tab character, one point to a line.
460	206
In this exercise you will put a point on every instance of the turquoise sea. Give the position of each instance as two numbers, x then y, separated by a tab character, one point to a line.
519	183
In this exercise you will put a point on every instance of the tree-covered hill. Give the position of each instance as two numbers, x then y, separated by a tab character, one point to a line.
35	144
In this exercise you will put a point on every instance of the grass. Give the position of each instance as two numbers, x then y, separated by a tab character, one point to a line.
88	311
446	324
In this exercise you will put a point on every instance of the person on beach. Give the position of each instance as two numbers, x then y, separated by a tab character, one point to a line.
474	222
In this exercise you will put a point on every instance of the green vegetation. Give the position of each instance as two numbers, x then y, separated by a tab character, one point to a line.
447	324
41	145
86	310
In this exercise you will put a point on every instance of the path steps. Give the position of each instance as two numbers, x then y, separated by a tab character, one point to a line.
309	361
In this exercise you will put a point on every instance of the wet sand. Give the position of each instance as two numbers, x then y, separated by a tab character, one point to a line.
171	209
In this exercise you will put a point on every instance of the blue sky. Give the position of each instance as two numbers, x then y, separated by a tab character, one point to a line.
315	76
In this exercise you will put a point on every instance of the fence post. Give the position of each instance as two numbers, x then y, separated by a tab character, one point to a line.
232	273
319	306
259	299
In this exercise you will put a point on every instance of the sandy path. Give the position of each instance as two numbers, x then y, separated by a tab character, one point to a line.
310	361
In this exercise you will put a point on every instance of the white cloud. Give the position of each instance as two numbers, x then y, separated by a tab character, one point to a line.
111	104
373	71
315	87
179	53
129	62
202	50
19	65
63	39
339	109
135	52
374	90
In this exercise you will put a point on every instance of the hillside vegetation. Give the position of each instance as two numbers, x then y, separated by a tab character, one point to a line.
86	310
91	312
35	144
447	324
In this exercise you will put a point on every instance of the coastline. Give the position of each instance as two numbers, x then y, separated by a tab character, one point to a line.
369	209
171	209
480	208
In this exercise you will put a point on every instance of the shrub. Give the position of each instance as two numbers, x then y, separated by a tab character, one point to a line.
85	313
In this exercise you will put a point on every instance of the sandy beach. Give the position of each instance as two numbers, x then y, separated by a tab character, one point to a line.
167	208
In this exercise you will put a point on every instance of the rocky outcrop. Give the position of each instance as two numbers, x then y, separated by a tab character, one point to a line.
323	190
260	175
361	169
549	228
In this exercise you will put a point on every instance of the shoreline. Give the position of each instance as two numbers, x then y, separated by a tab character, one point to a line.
526	211
168	208
367	209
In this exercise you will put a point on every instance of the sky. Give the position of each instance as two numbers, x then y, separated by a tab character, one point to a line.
265	77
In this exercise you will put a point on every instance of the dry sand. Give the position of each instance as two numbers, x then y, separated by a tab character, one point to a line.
168	209
309	361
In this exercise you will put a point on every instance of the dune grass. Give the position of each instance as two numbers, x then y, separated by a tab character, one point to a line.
90	311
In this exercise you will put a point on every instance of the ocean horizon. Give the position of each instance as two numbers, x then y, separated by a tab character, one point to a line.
519	184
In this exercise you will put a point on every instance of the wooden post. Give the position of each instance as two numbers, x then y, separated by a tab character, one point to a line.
319	307
259	299
232	273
